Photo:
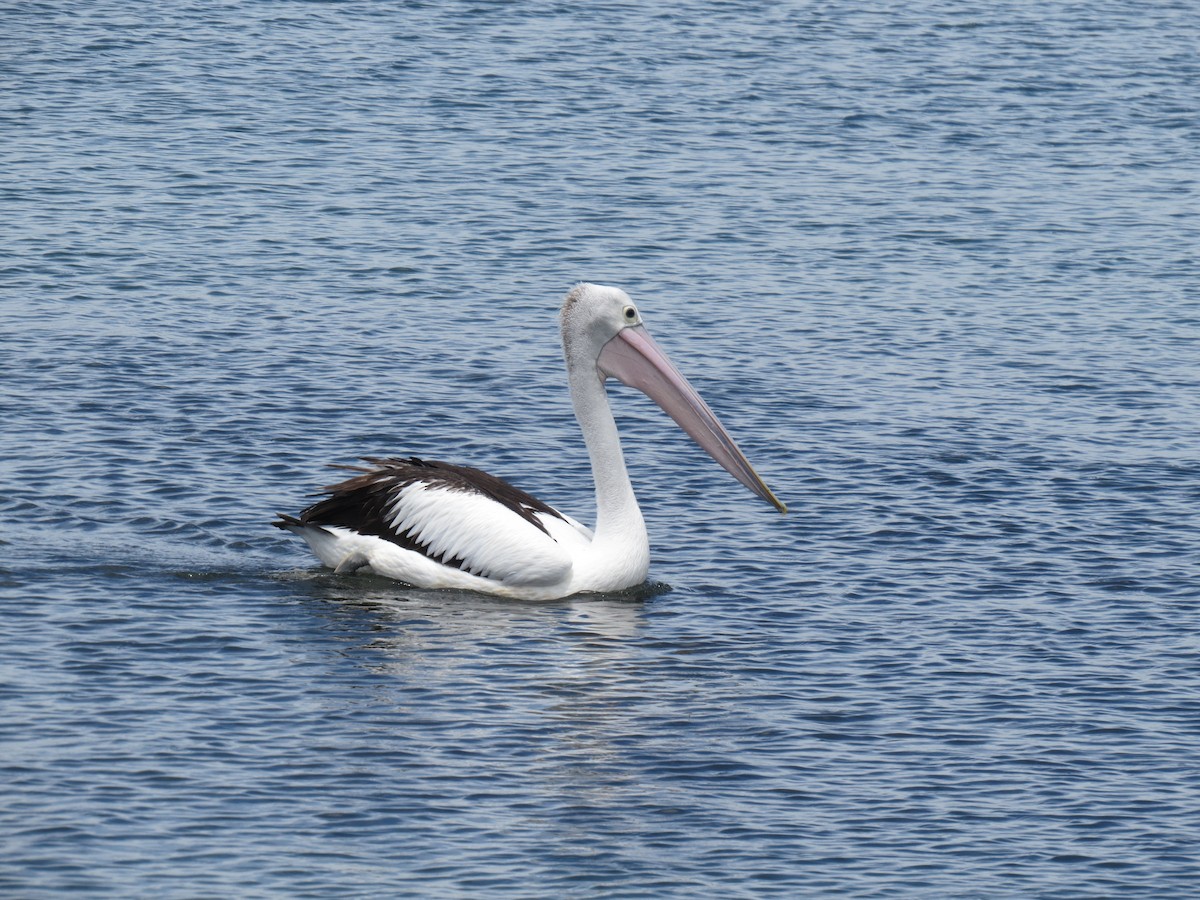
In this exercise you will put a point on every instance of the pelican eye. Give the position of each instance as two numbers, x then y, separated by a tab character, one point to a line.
630	314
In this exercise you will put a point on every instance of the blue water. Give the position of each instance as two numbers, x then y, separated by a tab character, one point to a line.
934	264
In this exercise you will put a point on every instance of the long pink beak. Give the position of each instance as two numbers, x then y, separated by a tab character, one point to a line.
634	359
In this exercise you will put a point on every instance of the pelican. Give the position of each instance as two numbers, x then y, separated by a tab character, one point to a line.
433	524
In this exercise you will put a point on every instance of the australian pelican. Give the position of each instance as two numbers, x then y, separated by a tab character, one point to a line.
436	525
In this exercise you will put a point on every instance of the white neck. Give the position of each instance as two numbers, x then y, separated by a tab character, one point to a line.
620	536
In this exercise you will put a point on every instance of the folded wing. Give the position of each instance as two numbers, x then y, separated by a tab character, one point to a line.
455	515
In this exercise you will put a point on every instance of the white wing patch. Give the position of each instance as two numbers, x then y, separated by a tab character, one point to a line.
491	540
583	530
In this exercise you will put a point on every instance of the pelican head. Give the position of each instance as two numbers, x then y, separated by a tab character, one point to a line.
602	331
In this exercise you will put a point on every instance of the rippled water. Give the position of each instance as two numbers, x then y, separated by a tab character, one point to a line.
933	263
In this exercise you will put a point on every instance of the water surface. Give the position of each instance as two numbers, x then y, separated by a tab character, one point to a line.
934	266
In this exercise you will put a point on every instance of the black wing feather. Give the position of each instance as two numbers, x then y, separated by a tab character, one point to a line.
361	503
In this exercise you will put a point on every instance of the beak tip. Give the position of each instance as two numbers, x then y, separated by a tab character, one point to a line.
769	495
